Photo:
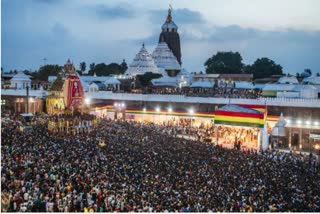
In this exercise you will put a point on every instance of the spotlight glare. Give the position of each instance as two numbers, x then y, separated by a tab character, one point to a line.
87	101
191	111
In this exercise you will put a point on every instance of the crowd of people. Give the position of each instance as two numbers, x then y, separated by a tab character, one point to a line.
72	123
229	136
217	91
147	168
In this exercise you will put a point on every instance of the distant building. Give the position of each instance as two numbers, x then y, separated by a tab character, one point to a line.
219	79
288	80
20	81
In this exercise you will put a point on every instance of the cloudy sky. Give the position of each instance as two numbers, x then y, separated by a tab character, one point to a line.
287	31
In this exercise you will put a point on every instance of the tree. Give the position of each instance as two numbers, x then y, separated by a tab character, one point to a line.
224	63
83	67
46	71
27	72
92	65
306	73
124	65
263	68
318	74
146	78
105	70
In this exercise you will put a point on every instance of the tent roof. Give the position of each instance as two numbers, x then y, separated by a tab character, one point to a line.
202	84
237	108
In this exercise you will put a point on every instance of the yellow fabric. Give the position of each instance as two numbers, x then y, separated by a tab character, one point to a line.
239	119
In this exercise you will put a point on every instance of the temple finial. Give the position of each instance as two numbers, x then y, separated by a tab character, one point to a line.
169	17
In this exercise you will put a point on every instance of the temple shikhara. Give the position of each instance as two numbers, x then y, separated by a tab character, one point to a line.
170	36
166	57
65	93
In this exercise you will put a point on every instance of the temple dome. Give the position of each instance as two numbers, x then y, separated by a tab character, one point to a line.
169	25
21	77
20	81
164	58
142	63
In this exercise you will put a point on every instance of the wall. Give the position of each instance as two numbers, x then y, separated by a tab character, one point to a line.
307	103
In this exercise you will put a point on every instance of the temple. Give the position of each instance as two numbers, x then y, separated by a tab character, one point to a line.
170	36
164	59
143	63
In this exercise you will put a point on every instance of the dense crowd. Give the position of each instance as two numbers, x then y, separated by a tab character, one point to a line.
146	168
217	92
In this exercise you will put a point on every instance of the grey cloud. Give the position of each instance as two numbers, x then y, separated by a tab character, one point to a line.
179	16
104	11
50	2
59	29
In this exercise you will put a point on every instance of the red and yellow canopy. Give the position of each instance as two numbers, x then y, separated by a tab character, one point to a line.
237	115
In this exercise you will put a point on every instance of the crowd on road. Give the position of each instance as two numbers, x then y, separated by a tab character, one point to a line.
146	168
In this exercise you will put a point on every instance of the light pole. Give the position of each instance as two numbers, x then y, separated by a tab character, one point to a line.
169	113
317	147
87	101
119	107
144	111
158	111
27	88
191	112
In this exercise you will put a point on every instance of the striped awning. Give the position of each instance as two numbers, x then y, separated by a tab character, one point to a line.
236	115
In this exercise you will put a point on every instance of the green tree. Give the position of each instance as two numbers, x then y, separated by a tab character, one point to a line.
92	65
83	67
46	71
146	78
105	70
263	68
27	72
124	65
224	63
